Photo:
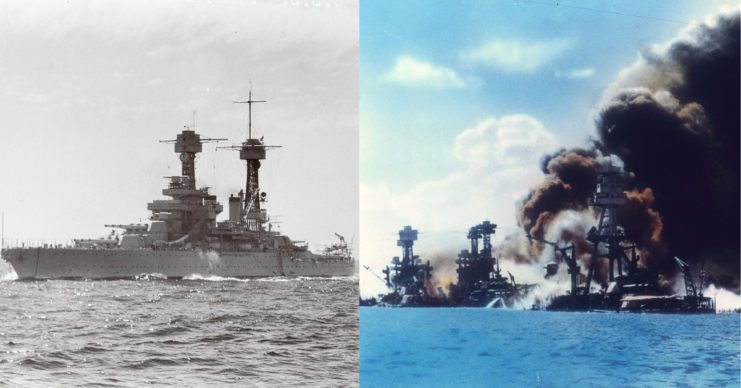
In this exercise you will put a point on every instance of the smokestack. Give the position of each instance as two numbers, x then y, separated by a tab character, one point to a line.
234	208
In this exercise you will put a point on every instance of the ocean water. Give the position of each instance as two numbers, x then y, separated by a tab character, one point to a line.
507	348
275	332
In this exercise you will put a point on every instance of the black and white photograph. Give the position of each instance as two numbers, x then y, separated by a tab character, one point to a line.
179	193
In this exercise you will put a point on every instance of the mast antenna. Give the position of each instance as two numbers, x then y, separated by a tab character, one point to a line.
249	102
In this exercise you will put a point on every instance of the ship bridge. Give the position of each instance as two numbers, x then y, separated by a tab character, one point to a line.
189	206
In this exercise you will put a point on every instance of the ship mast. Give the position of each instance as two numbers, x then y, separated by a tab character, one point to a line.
188	144
252	156
249	102
610	197
252	152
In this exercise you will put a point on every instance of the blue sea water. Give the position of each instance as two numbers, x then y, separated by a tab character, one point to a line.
275	332
443	347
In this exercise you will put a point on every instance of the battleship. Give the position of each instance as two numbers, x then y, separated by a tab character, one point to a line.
184	237
408	278
628	287
480	280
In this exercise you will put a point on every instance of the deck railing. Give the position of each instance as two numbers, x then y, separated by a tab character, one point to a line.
8	243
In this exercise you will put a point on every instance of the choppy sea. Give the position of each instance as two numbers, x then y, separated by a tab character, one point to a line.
418	347
274	332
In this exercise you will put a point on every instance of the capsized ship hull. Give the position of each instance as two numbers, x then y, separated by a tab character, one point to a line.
69	263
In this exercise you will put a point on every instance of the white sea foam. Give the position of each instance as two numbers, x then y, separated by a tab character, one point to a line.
351	278
496	303
279	279
151	276
214	278
9	276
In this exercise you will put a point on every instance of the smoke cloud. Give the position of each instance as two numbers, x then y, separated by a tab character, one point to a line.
673	119
443	269
570	181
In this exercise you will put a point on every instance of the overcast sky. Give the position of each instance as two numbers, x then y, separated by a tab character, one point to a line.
89	89
459	101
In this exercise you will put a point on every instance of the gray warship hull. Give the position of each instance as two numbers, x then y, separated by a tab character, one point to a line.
71	263
185	238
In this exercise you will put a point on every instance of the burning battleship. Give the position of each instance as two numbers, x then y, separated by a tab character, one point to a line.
185	238
628	287
409	279
625	284
672	119
480	281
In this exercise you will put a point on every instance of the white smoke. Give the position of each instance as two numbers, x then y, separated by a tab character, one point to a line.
578	223
545	289
534	272
724	299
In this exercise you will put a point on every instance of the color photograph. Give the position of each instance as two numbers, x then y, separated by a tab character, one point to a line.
549	193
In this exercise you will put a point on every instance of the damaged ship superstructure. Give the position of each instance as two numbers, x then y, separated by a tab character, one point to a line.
614	278
480	280
626	285
184	237
407	277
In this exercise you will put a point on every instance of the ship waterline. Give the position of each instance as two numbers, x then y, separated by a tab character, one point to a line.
71	263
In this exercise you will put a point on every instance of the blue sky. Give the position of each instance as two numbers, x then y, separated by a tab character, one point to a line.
459	100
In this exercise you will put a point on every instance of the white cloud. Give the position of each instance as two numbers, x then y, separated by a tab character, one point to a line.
412	72
576	73
505	143
501	159
36	98
119	75
164	49
517	56
184	24
154	82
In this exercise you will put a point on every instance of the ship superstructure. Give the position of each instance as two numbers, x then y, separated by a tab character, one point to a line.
480	279
610	243
627	287
407	274
184	237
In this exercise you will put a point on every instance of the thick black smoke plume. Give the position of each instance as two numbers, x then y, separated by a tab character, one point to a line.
673	119
676	127
571	179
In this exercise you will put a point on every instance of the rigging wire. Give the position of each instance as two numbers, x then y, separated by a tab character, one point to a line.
274	169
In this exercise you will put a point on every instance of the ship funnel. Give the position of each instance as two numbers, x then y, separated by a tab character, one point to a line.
234	208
